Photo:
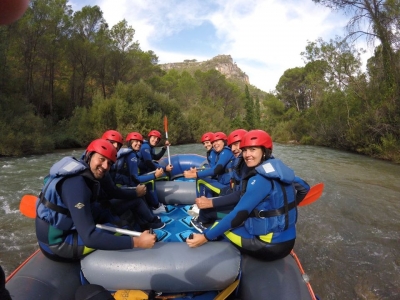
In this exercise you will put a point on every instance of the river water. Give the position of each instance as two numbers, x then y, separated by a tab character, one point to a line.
348	241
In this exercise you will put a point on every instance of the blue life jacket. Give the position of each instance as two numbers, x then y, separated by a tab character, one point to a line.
276	213
119	171
225	178
50	205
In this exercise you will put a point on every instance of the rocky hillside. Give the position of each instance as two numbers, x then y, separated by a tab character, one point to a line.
222	63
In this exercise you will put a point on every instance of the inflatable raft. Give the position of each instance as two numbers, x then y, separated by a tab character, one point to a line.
170	268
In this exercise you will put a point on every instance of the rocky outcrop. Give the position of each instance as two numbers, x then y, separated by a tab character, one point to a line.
222	63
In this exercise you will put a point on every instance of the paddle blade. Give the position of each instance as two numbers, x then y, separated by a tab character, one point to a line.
313	195
165	124
27	206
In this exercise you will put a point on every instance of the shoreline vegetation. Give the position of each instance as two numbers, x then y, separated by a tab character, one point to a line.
66	77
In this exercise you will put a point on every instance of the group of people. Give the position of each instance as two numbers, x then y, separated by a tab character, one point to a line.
244	195
105	183
257	195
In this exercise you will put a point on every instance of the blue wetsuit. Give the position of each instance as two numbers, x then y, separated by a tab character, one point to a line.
262	223
66	228
221	170
133	162
148	156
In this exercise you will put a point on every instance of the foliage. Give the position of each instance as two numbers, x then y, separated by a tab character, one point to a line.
66	77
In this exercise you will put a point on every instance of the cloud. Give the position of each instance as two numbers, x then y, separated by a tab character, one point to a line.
264	37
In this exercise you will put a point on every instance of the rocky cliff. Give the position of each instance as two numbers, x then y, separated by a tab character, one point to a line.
222	63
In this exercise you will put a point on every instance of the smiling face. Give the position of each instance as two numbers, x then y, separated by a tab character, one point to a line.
99	165
135	144
235	147
153	140
207	145
218	145
252	156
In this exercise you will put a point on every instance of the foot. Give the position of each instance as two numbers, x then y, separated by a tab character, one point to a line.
194	210
160	209
196	223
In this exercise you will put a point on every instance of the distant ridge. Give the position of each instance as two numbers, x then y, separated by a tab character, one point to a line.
222	63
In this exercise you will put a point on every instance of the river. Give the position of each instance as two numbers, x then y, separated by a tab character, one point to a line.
348	241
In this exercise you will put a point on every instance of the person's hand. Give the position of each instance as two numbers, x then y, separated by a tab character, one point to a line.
169	168
196	241
146	240
159	172
204	202
192	173
167	143
141	190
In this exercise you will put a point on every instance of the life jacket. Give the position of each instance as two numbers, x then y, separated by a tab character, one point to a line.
50	205
277	212
119	171
211	157
225	177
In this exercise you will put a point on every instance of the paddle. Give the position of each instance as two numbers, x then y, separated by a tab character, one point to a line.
166	136
313	194
27	206
118	230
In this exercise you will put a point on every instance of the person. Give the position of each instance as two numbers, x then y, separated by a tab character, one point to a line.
129	202
209	210
206	139
133	159
220	172
263	223
148	156
65	227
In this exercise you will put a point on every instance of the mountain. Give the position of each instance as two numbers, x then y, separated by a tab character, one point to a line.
222	63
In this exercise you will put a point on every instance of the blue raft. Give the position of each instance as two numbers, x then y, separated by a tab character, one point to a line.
171	267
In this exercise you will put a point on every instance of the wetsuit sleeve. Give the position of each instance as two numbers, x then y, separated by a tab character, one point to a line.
133	167
108	185
76	195
301	187
159	154
224	158
257	189
147	160
226	200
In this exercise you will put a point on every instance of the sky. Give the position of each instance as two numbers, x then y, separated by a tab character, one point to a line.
263	37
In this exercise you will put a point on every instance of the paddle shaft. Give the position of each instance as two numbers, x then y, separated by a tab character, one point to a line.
118	230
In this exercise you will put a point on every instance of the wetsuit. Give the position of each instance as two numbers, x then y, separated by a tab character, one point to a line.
262	224
65	226
148	156
132	162
221	171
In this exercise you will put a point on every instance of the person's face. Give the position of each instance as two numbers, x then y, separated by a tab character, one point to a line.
115	144
99	165
218	145
207	145
252	156
135	144
154	140
235	147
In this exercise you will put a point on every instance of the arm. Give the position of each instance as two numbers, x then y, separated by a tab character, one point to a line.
76	196
146	157
230	199
224	158
160	154
259	188
135	178
302	188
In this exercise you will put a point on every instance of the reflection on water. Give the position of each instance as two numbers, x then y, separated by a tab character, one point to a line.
348	241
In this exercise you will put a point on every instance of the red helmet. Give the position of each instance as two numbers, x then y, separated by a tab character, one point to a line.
236	136
208	136
104	148
134	136
154	133
113	135
218	136
256	138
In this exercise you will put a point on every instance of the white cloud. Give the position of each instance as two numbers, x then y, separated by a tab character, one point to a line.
264	37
